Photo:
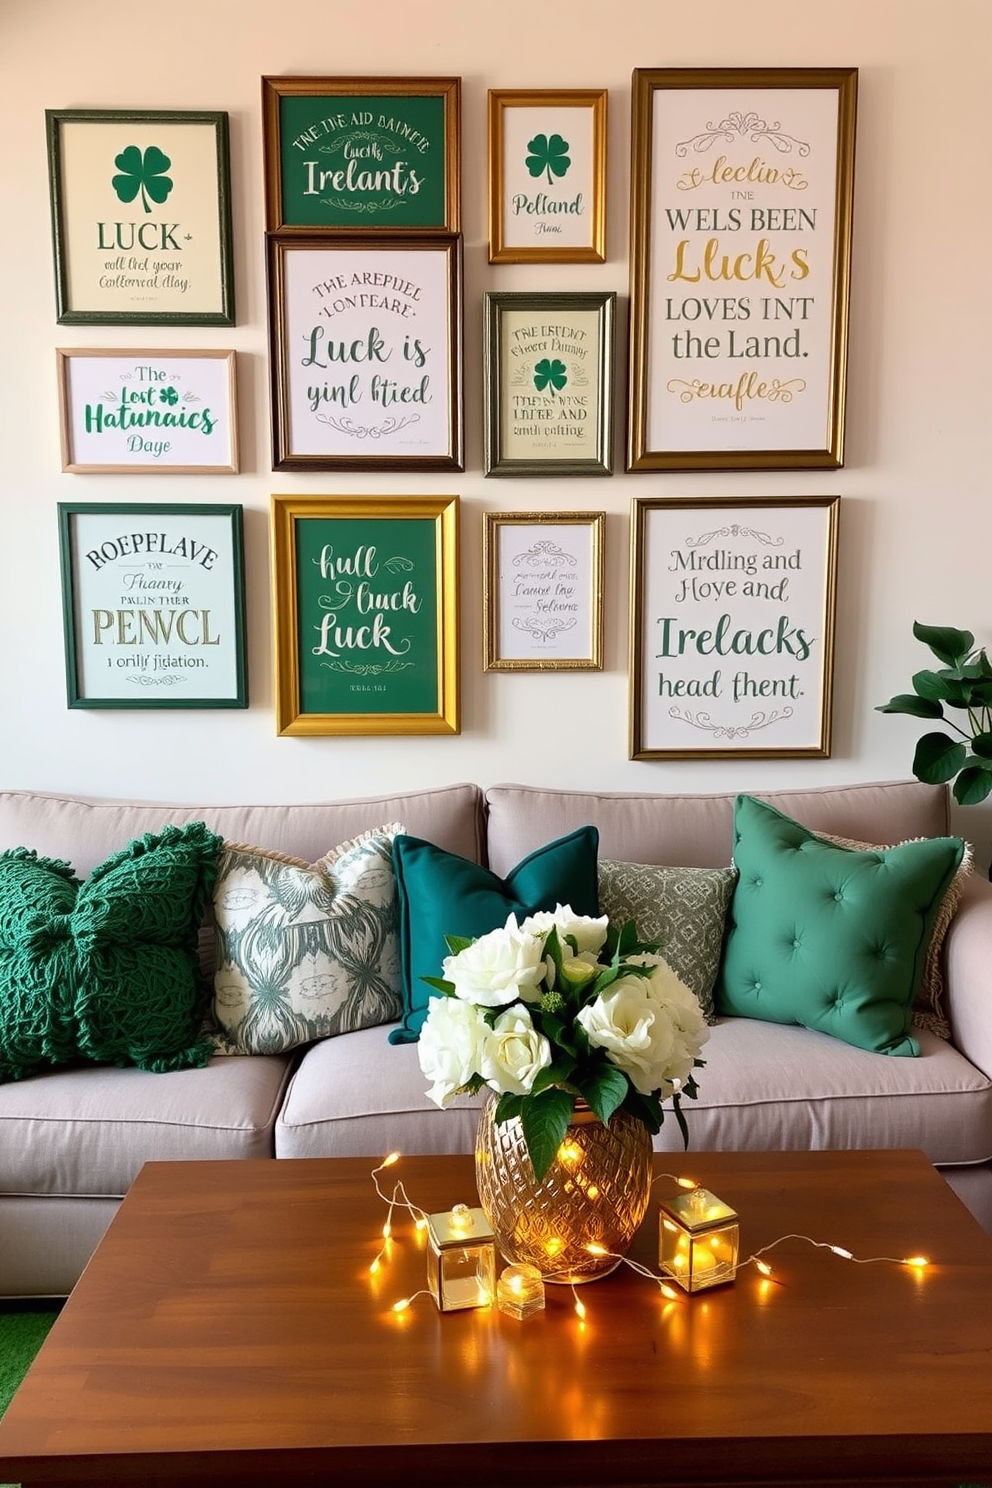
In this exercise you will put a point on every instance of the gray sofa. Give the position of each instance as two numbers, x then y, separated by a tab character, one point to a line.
71	1141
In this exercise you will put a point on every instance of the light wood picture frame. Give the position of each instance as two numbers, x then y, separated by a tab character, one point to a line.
742	188
547	175
365	597
543	591
148	412
732	616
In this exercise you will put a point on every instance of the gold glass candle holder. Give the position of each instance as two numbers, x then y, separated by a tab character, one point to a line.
461	1259
520	1291
698	1239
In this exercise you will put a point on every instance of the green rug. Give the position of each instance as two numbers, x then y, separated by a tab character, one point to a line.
22	1332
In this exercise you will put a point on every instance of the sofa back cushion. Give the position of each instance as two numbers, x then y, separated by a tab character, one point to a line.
696	831
85	831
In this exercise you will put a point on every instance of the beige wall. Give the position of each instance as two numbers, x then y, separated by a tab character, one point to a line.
915	511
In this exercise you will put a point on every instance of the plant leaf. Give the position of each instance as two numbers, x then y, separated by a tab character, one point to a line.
545	1119
950	646
908	702
973	784
938	758
605	1091
982	746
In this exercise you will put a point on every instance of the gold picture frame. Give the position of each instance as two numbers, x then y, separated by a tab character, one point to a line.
547	175
543	591
742	186
732	616
365	606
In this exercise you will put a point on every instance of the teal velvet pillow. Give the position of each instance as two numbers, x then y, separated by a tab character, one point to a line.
826	937
442	894
107	970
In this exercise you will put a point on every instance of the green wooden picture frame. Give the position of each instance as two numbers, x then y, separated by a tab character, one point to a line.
153	601
141	216
365	594
354	154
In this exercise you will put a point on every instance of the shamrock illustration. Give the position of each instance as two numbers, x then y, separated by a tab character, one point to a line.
550	374
144	173
549	155
168	395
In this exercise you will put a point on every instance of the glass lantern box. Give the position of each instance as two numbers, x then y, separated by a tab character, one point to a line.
461	1259
698	1238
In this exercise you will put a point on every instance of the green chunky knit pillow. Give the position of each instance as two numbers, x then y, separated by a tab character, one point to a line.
106	970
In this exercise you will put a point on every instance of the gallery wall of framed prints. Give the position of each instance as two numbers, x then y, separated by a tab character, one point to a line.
727	354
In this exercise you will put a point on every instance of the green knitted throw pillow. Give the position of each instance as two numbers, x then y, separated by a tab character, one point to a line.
106	970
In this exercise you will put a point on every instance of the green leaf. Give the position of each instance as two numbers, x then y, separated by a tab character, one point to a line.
548	373
605	1090
952	647
942	687
938	758
646	1108
982	745
558	1073
442	986
550	155
507	1107
144	173
457	943
545	1119
908	702
973	784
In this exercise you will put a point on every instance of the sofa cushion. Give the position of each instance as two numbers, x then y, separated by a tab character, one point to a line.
683	908
305	950
764	1087
87	1131
105	970
828	937
441	894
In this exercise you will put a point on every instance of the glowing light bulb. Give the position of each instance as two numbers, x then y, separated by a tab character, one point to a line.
580	1309
401	1305
387	1162
669	1292
764	1268
687	1183
387	1230
374	1266
597	1250
916	1261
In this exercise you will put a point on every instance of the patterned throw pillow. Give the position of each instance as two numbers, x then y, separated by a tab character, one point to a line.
305	950
684	908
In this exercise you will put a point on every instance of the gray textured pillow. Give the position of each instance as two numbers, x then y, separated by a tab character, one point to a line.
305	950
685	908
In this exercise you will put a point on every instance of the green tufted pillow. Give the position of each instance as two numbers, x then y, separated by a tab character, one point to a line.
442	894
683	908
826	937
106	970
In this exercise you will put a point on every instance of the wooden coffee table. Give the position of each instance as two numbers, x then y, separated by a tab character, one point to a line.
228	1330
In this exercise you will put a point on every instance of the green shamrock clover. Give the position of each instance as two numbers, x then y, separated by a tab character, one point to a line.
144	173
549	155
168	395
550	374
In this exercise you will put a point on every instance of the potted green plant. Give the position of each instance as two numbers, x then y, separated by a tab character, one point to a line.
964	684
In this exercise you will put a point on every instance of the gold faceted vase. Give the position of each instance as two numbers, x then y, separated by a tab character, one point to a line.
595	1193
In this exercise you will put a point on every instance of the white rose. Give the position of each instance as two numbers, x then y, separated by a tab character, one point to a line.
498	968
450	1046
651	1028
589	933
514	1053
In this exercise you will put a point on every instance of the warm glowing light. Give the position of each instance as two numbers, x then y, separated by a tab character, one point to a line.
764	1268
554	1246
570	1153
580	1309
916	1261
687	1183
387	1230
401	1305
374	1266
387	1162
596	1250
592	1191
669	1292
461	1217
421	1224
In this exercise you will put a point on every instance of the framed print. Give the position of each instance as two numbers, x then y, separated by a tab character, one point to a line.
366	353
153	601
353	154
742	185
148	411
366	614
141	217
547	175
543	590
732	627
549	384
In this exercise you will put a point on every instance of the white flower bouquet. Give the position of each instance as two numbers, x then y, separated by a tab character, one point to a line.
558	1008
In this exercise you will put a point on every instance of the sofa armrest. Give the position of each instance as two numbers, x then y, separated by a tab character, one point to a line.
968	970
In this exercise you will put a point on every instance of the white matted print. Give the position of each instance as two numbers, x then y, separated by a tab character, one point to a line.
366	352
148	411
732	626
543	590
547	176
